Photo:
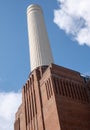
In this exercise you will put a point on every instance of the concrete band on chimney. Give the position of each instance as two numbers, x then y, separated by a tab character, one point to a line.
39	47
33	7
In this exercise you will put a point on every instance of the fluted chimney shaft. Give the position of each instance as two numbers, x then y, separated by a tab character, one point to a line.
39	47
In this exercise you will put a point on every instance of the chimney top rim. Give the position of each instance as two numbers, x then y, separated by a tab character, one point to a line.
33	7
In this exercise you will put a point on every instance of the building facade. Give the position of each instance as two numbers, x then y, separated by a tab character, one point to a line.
54	98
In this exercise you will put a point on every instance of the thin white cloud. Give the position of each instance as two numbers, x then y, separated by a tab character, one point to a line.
9	103
73	16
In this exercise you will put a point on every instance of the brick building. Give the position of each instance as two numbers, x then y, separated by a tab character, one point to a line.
54	97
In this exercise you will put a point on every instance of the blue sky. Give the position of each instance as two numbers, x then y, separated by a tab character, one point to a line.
68	31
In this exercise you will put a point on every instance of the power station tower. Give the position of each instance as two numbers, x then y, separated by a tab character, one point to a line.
39	47
53	97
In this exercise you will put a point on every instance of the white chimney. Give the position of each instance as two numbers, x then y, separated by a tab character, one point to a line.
40	51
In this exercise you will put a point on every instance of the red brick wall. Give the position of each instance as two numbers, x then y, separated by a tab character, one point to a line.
72	100
54	98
